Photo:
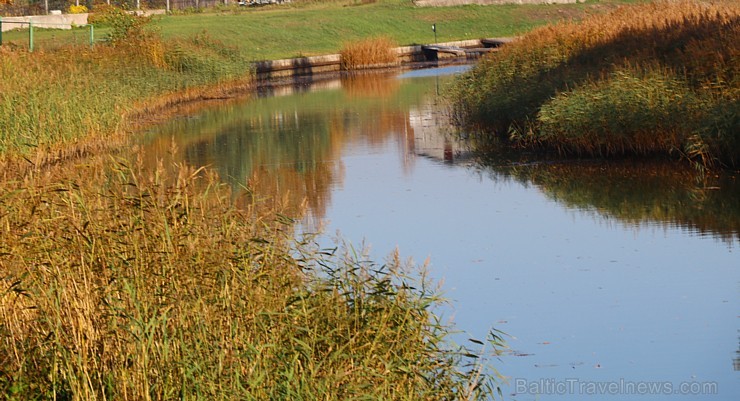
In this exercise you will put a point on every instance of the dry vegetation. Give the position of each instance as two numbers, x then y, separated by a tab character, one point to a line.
69	101
659	78
369	53
118	283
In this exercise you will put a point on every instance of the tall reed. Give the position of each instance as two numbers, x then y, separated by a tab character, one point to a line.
368	53
650	78
118	283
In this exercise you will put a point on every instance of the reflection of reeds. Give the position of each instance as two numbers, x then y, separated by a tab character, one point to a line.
638	193
369	53
369	85
652	78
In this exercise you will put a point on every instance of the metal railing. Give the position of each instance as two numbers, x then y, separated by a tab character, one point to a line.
30	25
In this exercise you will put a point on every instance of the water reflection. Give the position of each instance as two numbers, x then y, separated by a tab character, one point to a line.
287	145
638	193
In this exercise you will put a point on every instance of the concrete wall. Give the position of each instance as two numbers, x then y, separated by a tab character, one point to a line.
58	21
331	62
447	3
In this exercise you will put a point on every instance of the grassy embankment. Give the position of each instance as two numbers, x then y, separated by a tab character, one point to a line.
649	79
68	101
308	28
118	283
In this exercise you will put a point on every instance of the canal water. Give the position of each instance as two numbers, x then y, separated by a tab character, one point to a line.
615	280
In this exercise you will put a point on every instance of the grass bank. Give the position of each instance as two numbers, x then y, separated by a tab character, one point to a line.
659	78
71	99
312	28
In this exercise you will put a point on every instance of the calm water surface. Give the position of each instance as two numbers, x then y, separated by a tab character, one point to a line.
617	281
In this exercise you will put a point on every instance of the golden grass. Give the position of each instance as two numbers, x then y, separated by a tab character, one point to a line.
120	283
369	53
76	101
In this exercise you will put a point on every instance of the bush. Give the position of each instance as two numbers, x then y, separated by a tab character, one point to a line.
81	9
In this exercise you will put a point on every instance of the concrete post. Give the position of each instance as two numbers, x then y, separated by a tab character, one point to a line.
30	36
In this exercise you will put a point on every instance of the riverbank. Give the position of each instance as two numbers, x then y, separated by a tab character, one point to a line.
80	105
652	79
124	282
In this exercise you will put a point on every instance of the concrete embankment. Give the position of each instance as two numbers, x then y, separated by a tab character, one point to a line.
52	21
56	21
406	54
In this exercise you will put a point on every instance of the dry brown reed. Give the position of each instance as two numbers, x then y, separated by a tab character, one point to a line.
121	283
369	53
76	101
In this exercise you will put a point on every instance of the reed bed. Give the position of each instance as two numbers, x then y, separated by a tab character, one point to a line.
657	78
369	53
71	100
116	283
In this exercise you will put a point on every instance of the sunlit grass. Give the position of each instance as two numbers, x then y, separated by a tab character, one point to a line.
75	98
315	28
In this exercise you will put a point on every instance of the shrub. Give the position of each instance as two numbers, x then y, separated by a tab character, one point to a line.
81	9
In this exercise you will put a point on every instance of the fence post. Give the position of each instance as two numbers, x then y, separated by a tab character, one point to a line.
30	36
1	30
92	35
